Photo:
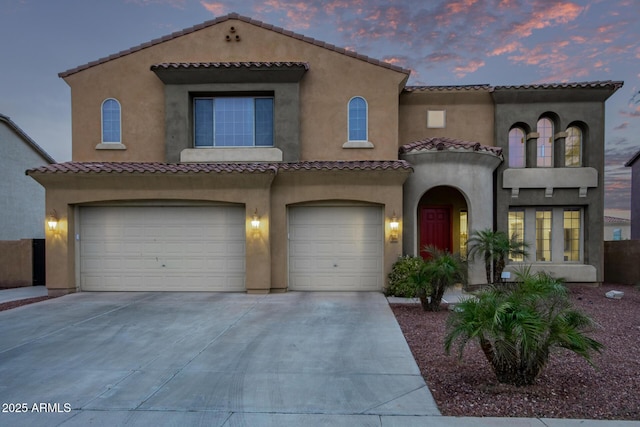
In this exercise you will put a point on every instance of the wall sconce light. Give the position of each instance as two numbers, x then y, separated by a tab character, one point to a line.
255	221
52	221
394	225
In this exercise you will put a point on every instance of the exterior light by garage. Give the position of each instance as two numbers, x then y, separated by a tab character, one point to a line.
394	225
255	221
52	221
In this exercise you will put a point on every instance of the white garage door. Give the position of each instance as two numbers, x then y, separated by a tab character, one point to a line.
336	248
162	248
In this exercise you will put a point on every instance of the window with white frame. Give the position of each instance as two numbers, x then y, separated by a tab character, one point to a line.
572	234
516	230
233	122
358	118
573	147
111	122
543	235
517	151
544	152
554	234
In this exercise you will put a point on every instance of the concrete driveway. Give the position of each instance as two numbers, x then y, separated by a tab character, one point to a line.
209	359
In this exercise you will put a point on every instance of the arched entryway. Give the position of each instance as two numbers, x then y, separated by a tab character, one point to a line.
453	175
442	219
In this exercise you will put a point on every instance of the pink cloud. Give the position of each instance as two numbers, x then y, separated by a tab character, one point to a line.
622	126
547	16
470	67
175	3
460	6
216	9
633	113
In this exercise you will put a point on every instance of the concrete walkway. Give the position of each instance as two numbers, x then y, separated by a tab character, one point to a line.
210	359
15	294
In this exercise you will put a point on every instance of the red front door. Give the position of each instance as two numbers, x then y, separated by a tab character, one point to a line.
435	228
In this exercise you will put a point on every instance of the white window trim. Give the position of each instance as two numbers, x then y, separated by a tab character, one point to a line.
358	143
102	142
557	234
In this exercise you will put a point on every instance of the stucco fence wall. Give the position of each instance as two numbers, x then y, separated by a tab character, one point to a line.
621	261
16	263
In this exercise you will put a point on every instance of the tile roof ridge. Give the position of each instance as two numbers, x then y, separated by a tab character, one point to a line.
614	84
224	18
443	143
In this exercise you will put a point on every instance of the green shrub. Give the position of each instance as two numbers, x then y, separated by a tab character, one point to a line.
518	327
399	284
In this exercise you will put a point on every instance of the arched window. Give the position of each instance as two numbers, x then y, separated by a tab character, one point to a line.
544	151
573	147
517	148
358	119
111	122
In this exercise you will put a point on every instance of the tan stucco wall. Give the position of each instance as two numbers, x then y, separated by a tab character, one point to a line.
338	188
333	79
64	193
266	251
469	115
16	263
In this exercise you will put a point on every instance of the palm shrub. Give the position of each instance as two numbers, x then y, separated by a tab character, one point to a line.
399	283
439	272
494	247
518	327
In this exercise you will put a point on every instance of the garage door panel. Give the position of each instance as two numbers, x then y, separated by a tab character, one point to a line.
335	248
162	248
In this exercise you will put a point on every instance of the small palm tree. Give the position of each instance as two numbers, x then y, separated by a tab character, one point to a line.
494	247
518	327
438	273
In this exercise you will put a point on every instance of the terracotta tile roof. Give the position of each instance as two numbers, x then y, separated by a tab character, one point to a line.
346	165
26	138
240	18
616	220
447	88
192	168
441	144
255	65
152	168
604	84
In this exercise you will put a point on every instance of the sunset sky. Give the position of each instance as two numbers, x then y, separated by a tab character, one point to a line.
497	42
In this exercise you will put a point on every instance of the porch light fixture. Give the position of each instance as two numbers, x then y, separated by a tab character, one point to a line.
255	222
52	220
394	225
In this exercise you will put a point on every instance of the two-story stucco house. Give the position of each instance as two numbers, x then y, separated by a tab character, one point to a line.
634	164
235	155
22	199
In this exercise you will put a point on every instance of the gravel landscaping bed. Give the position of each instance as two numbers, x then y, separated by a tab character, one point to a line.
13	304
567	388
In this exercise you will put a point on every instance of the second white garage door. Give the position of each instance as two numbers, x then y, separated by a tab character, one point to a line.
336	248
162	248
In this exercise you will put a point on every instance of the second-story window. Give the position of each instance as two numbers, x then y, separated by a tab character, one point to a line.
517	151
111	133
358	119
233	122
544	149
573	147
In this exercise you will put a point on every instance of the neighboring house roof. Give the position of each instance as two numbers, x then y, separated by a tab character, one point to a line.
616	220
240	18
26	138
604	84
441	144
191	168
633	159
